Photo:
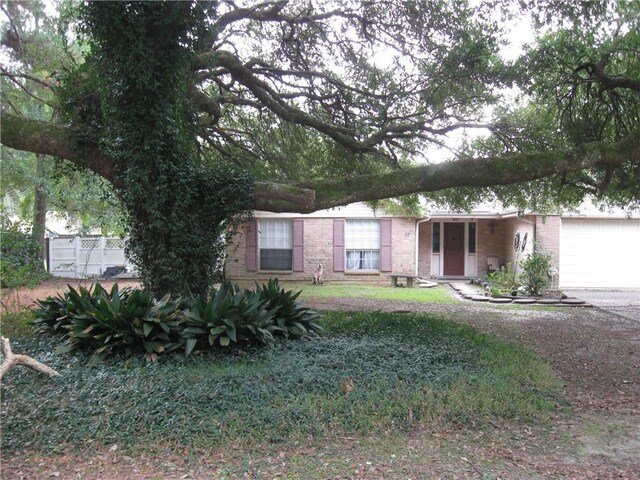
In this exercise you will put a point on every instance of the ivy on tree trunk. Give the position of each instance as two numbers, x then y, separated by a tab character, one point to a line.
178	211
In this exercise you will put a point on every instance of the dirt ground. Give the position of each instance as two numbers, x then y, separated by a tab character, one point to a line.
27	296
596	353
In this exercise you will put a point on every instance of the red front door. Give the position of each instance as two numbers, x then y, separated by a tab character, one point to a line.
454	248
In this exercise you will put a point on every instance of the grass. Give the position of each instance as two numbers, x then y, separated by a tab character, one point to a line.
15	324
440	294
408	370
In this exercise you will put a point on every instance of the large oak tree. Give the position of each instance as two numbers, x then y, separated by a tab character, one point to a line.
326	103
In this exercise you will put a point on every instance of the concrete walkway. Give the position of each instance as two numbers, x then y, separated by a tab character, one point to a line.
625	303
476	294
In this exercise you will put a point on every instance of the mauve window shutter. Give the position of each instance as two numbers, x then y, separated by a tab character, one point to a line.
298	245
252	246
385	245
338	245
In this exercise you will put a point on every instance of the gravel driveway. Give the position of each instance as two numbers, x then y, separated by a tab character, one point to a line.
622	302
595	351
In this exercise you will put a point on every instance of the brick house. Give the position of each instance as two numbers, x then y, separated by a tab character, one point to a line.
356	244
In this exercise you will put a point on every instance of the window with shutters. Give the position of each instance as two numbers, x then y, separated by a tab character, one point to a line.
362	244
275	240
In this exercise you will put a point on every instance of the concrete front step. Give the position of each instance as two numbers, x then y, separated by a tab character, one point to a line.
499	300
480	298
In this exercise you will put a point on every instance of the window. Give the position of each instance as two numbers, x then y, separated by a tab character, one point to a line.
436	238
362	243
472	238
275	238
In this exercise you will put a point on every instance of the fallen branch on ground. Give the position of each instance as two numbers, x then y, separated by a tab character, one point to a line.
10	360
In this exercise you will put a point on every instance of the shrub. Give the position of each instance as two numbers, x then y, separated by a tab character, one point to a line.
291	317
107	322
535	272
54	314
232	315
131	320
20	262
503	280
236	315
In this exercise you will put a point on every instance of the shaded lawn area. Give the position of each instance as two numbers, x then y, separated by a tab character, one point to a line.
439	294
407	371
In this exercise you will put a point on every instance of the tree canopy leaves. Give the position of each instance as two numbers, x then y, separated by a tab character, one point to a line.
325	103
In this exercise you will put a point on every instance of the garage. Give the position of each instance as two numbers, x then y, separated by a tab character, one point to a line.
599	253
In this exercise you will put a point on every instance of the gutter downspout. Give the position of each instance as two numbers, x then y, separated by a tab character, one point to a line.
418	237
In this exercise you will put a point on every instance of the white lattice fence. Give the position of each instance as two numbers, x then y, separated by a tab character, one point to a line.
80	257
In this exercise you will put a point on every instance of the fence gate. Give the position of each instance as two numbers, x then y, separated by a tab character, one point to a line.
82	257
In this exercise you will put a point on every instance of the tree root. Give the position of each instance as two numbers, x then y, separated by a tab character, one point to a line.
10	360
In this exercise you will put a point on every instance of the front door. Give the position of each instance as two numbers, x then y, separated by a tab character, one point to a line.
454	249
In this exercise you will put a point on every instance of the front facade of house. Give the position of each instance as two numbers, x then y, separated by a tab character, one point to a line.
356	244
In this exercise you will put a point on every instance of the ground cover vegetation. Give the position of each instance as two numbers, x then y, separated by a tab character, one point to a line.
20	262
196	112
405	371
16	323
439	294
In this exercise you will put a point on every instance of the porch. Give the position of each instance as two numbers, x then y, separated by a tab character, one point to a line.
457	247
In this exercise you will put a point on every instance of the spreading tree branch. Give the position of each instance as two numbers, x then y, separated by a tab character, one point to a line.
271	99
47	138
596	73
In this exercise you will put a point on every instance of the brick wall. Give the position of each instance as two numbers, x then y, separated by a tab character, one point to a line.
548	237
425	236
318	249
490	244
512	227
403	232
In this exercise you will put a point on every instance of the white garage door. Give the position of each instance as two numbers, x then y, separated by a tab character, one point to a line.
600	253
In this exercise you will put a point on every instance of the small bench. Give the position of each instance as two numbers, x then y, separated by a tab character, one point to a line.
410	278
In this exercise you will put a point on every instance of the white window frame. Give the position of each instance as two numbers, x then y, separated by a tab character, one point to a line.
360	236
470	259
275	234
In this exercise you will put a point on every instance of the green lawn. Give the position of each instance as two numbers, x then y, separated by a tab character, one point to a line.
440	294
408	370
15	324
